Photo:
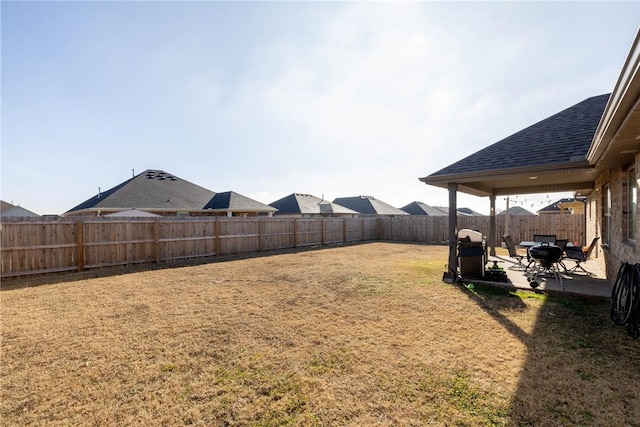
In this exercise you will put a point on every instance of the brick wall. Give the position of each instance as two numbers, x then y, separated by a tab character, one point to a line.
619	248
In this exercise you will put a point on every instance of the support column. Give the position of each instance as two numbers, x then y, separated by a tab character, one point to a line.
453	227
492	226
507	220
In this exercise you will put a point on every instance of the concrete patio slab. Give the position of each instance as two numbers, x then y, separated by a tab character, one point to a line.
595	285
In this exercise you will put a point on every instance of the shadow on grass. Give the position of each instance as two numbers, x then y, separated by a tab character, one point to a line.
580	369
492	300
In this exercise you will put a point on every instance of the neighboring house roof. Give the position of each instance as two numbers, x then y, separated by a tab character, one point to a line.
230	201
469	211
151	190
17	211
368	205
555	206
516	210
129	213
306	204
10	210
5	206
419	208
532	156
461	211
329	208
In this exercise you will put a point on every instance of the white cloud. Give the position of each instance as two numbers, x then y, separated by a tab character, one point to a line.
376	96
327	98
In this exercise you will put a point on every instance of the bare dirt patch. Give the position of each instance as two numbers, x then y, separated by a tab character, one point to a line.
357	335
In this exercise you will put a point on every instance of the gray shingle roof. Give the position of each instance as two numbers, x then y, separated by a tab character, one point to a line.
368	205
299	203
4	206
562	138
235	202
419	208
553	207
152	189
131	213
516	210
460	211
8	210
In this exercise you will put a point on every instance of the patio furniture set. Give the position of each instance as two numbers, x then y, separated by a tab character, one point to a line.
546	254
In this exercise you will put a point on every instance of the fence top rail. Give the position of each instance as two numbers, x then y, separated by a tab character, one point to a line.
171	219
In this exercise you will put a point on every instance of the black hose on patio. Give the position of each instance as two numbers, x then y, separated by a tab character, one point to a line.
625	298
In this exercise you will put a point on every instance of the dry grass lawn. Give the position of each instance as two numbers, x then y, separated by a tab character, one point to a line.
356	335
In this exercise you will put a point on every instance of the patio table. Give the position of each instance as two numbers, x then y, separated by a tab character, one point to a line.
528	244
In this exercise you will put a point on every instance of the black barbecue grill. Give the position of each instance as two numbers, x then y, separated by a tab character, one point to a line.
546	255
546	258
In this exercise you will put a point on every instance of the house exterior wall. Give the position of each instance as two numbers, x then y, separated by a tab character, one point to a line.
619	248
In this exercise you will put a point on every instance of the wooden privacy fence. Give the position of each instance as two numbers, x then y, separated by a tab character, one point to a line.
46	246
34	247
435	229
523	227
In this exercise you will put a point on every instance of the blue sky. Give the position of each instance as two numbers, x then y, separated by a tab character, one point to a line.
270	98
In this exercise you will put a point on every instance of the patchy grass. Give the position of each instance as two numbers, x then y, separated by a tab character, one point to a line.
357	335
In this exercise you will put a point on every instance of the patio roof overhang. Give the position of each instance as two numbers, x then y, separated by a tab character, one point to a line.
578	177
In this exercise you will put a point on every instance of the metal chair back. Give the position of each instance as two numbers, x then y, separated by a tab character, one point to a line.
511	247
548	238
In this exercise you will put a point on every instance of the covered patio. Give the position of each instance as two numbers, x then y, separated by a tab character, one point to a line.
591	149
547	157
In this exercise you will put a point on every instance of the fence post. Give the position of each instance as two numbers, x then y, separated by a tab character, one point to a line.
80	245
295	232
216	232
322	231
156	241
260	222
344	231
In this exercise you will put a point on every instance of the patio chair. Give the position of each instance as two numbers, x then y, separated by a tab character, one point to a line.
562	244
513	252
579	256
548	238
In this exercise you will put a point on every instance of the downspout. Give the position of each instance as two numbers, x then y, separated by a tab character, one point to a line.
453	228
